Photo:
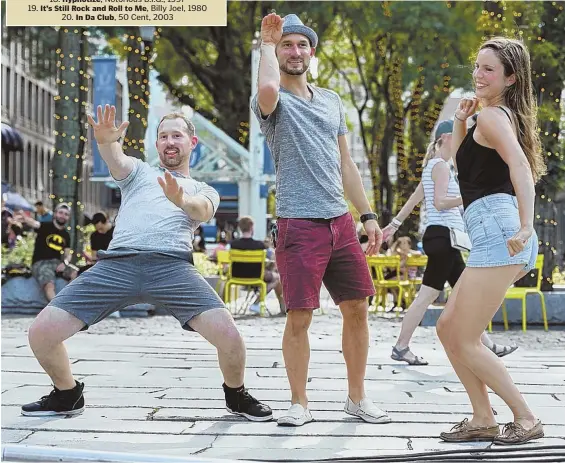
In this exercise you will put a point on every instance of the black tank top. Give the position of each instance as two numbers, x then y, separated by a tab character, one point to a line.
481	170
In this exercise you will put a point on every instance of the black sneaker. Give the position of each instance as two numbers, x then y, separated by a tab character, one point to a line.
68	402
240	402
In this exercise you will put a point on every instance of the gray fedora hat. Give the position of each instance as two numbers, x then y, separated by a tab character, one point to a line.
293	25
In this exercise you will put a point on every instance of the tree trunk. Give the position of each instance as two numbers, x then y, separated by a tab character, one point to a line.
70	128
138	87
385	187
408	162
547	189
550	80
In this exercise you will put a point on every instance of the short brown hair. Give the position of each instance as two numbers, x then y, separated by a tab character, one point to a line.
190	129
62	206
246	224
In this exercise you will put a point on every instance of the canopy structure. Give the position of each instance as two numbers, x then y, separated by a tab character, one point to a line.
11	139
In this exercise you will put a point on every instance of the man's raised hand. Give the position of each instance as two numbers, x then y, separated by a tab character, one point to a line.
173	191
271	29
105	131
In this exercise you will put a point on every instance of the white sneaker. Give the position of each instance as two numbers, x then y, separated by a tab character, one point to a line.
255	308
296	415
367	411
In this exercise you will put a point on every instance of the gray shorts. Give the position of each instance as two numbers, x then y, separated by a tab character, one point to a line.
45	271
114	283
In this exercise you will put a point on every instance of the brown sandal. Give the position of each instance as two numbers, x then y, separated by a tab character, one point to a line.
463	433
515	433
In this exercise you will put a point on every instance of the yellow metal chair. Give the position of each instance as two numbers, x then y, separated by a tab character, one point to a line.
247	257
222	262
419	262
522	293
377	265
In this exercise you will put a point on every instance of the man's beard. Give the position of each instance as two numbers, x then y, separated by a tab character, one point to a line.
171	162
60	222
294	71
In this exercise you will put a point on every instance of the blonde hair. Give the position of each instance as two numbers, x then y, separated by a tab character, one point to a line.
519	97
190	129
430	153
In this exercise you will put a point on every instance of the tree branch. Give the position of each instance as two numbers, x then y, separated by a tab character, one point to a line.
184	50
184	98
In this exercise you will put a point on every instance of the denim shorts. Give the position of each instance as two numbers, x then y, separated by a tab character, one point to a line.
491	221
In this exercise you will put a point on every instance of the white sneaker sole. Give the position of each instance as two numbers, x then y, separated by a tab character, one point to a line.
290	421
251	417
52	413
384	419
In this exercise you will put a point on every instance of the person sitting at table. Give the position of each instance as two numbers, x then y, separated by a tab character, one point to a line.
246	242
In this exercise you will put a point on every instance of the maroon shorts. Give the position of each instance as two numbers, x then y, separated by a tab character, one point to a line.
310	251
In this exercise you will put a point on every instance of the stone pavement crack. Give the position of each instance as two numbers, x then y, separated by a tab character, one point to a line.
190	427
151	414
555	397
26	437
208	447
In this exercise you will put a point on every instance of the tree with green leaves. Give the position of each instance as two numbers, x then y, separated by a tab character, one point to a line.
62	53
70	125
209	68
126	43
398	63
541	25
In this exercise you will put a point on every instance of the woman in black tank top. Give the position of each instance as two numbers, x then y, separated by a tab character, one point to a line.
445	263
498	160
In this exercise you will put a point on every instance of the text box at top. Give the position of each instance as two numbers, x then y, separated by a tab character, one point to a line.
88	13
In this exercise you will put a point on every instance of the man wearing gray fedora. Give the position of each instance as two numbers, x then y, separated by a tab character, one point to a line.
315	235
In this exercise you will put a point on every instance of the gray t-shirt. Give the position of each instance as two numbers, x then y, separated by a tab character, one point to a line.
148	221
303	138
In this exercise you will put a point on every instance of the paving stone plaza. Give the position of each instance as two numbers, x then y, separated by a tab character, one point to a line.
153	389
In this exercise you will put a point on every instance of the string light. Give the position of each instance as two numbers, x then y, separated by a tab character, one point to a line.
530	14
138	85
76	93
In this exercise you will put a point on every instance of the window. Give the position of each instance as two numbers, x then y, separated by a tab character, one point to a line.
21	96
5	166
8	87
4	88
51	114
14	166
35	170
40	109
5	34
29	114
25	167
40	172
46	113
49	177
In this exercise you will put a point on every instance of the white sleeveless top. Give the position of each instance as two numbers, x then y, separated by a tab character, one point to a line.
450	218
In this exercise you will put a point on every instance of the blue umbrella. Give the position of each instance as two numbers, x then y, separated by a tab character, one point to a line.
17	201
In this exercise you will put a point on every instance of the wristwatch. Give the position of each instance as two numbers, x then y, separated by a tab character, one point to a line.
368	216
